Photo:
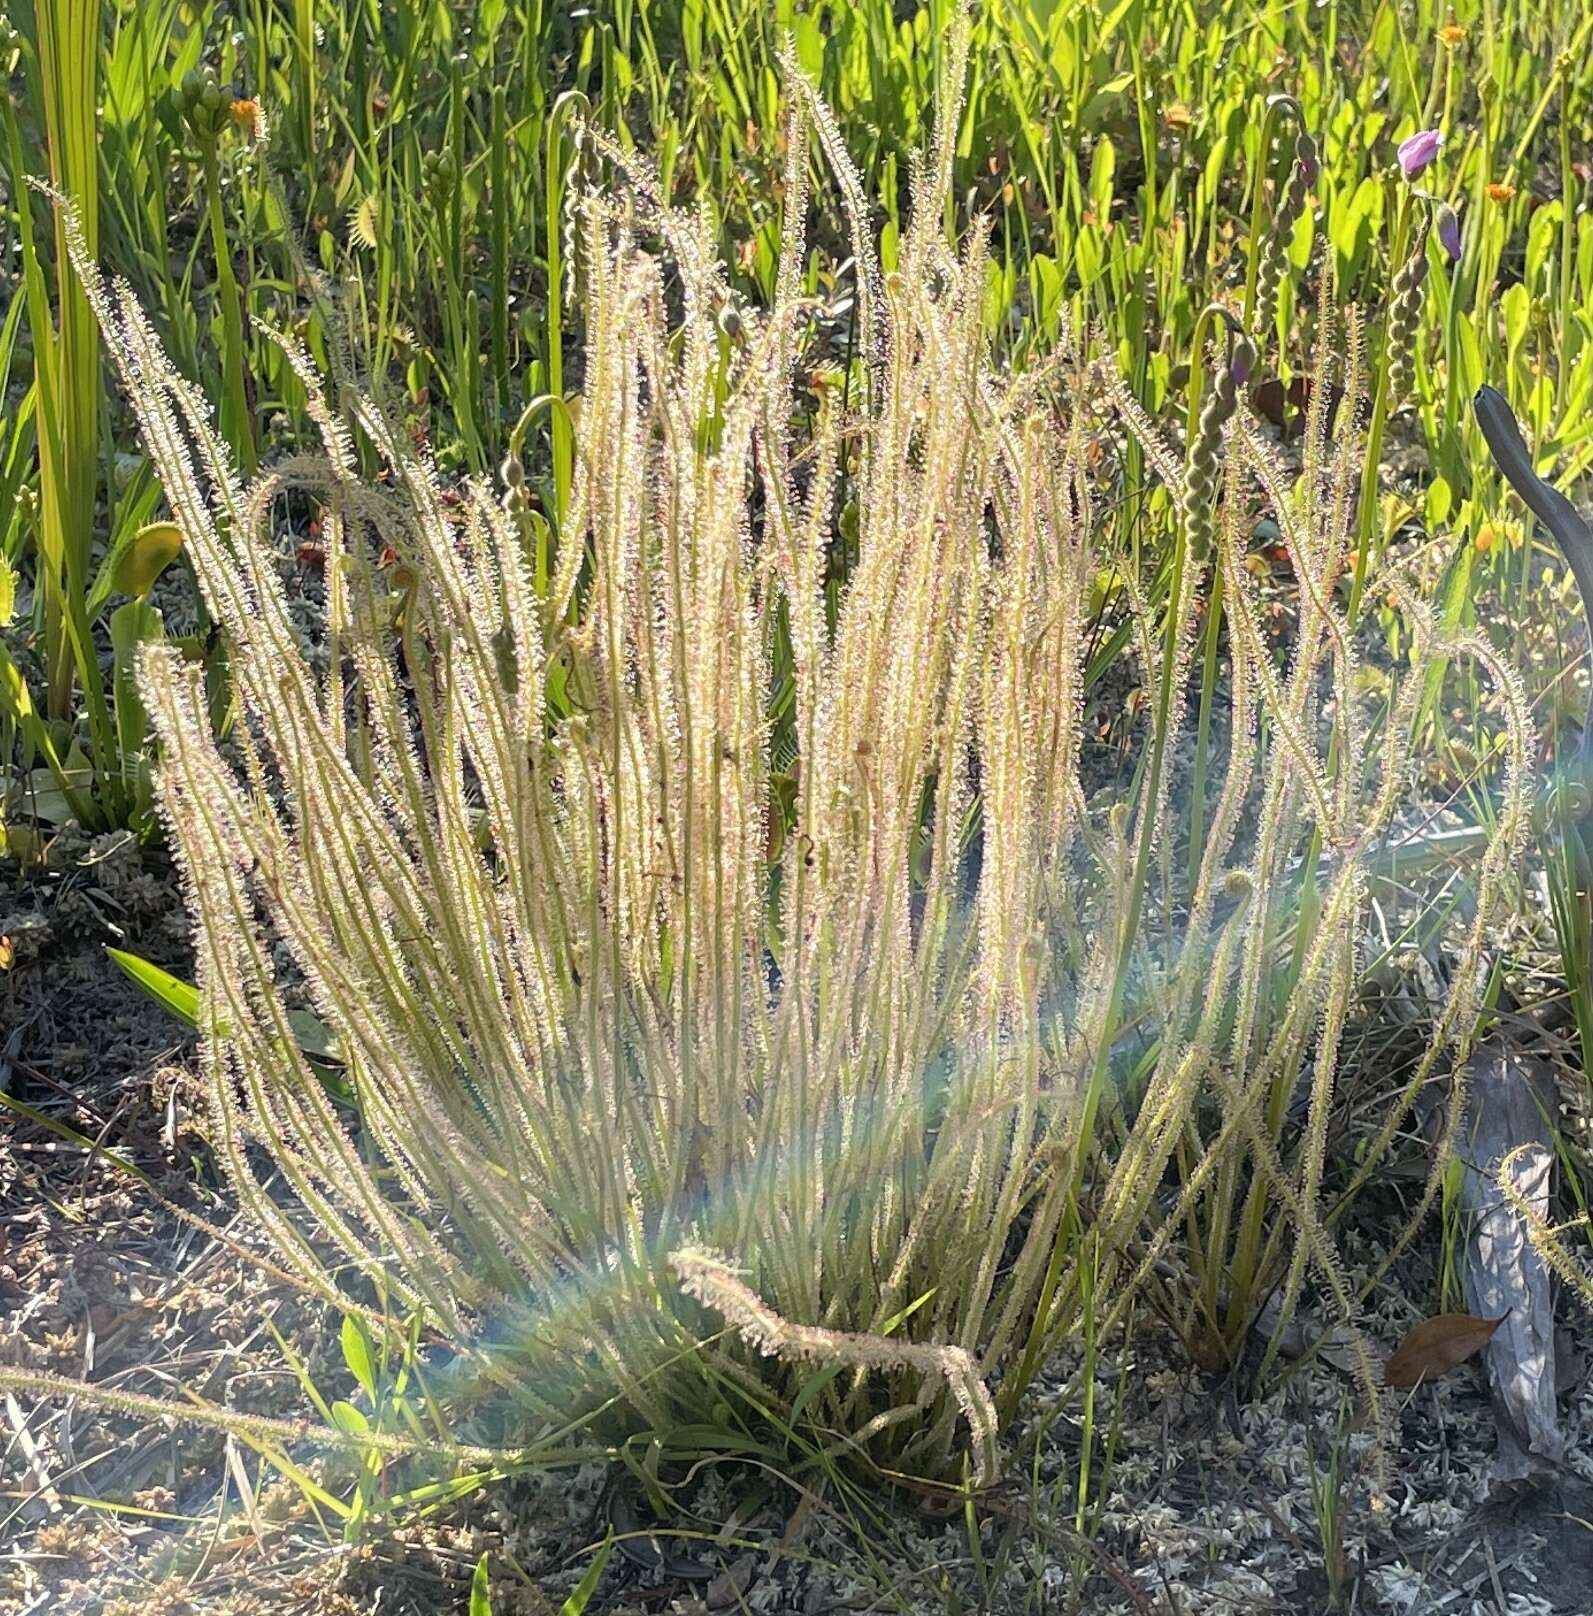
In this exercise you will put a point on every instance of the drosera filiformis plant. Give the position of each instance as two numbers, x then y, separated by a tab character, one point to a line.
655	1110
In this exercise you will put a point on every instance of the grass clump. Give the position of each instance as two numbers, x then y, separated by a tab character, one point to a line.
743	1000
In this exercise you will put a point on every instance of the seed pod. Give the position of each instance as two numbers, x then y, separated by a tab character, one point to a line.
203	103
437	172
1404	320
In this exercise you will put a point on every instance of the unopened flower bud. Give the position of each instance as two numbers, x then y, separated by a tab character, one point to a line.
1242	360
1307	157
1446	226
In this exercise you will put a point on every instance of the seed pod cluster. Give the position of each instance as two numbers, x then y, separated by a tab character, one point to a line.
202	103
437	174
1274	251
1200	482
1404	316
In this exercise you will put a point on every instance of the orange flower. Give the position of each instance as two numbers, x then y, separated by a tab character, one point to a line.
1451	35
1178	118
1500	192
246	114
1493	534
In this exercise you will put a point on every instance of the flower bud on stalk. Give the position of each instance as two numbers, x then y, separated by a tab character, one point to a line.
1404	317
1200	485
1446	226
1269	277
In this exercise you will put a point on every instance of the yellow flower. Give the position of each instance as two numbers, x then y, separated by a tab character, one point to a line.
1500	192
1487	536
1451	35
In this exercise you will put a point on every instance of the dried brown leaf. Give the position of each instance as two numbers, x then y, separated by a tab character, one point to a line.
1437	1345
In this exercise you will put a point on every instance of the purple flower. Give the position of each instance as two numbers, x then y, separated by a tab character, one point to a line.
1418	150
1446	223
